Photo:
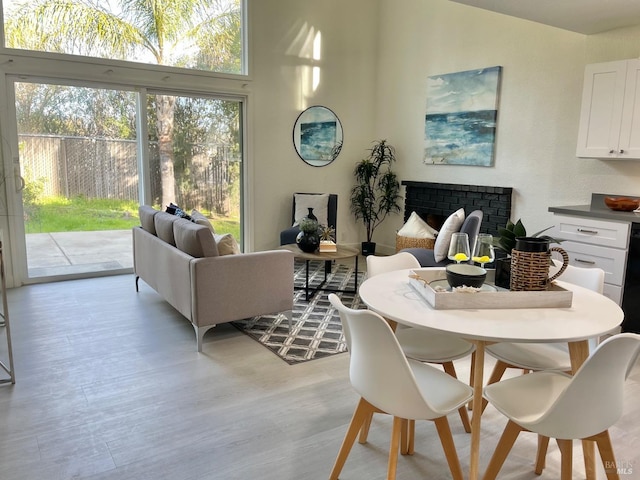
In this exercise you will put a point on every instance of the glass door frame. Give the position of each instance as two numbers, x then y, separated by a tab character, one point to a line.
14	231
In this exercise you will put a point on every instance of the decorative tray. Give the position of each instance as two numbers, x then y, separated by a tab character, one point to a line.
428	283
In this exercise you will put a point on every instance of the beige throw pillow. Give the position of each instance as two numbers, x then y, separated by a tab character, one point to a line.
416	227
201	219
319	203
450	226
227	245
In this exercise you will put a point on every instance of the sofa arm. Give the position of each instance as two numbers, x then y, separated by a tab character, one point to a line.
233	287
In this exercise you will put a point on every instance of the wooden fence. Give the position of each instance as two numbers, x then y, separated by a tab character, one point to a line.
106	168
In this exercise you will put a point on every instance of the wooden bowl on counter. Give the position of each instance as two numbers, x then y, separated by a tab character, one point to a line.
622	204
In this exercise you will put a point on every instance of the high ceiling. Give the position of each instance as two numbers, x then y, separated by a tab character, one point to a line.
582	16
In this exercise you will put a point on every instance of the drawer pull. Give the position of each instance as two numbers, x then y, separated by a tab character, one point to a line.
584	230
588	262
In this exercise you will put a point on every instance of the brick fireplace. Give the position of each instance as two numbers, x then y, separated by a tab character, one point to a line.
434	202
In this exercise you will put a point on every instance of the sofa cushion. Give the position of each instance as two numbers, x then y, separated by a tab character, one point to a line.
200	219
193	239
226	244
449	227
146	214
164	227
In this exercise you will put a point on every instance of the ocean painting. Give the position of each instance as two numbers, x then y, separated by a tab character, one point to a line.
317	140
460	120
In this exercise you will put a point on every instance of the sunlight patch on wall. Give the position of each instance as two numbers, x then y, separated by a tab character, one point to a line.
307	47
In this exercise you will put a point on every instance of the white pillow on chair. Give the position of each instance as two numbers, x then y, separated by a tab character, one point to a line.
451	225
319	202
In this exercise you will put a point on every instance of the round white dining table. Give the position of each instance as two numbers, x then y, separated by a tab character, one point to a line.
590	316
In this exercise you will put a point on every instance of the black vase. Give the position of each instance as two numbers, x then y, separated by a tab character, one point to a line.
309	241
311	216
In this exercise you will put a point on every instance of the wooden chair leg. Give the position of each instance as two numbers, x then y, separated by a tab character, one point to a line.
508	438
396	434
603	441
444	432
589	454
541	455
496	375
364	429
404	435
471	373
363	410
566	455
411	436
464	416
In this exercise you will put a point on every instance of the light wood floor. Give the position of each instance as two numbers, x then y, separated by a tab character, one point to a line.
110	386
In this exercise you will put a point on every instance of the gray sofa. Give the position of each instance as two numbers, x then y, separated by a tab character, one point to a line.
179	260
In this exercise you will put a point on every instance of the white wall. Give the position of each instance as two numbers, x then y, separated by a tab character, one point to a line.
539	103
282	33
374	78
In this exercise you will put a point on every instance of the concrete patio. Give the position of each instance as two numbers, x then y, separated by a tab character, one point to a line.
65	253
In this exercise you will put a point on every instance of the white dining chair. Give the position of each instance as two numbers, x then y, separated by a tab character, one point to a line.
423	345
389	382
543	356
557	405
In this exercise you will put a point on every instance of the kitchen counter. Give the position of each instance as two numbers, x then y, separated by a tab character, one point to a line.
597	209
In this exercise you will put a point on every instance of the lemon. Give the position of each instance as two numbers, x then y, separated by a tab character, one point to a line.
483	259
460	257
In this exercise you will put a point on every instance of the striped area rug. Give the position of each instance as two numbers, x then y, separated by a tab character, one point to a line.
316	331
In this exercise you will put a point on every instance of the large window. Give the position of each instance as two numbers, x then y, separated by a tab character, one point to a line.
195	34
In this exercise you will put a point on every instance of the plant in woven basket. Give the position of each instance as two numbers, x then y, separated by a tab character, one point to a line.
506	241
506	238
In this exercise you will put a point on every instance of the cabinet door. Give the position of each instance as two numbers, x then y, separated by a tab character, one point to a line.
629	146
601	114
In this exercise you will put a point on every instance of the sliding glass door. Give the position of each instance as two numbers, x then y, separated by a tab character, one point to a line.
82	158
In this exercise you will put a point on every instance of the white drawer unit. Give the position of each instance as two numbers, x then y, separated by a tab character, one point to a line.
592	242
611	260
592	231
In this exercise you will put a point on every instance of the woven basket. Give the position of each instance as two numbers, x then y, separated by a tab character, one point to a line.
411	242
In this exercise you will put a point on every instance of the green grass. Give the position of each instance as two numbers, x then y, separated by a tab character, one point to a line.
59	214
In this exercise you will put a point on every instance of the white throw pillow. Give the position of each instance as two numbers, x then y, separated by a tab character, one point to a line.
450	226
416	227
226	244
319	203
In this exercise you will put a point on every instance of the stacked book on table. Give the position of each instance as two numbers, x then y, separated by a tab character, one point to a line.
328	246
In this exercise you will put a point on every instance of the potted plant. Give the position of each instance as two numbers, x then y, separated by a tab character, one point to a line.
376	192
506	241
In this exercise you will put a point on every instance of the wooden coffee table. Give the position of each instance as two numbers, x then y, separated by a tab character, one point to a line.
341	253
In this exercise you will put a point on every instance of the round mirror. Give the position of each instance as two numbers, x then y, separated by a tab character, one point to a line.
317	136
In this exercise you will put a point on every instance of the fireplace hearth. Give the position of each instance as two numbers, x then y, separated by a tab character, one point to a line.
434	202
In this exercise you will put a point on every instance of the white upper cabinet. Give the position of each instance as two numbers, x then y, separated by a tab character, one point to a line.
610	116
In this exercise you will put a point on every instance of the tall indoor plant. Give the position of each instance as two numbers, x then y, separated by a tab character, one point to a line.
376	192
